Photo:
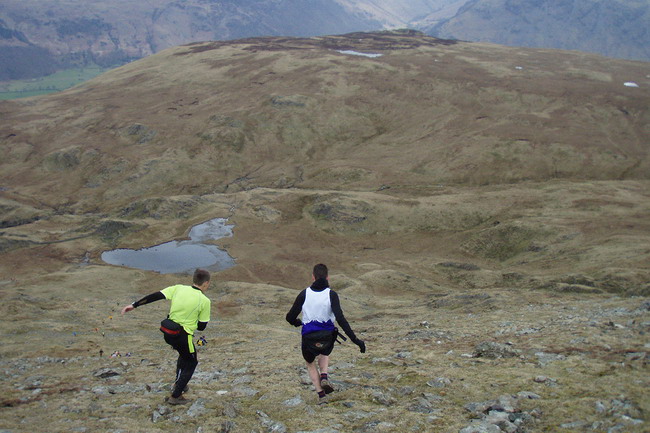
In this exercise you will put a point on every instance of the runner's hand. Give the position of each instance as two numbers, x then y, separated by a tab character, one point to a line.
361	344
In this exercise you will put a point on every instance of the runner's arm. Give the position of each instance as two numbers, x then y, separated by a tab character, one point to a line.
156	296
340	318
292	315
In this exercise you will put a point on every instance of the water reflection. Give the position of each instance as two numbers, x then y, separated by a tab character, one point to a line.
180	256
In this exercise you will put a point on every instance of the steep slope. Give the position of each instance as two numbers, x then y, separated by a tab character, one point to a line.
612	28
420	118
267	112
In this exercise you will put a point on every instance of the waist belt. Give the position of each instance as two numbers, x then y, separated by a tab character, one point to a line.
170	327
169	331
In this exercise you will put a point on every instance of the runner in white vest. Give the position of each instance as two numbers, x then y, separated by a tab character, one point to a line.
320	307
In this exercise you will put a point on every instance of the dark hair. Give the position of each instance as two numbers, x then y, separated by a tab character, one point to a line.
320	271
200	277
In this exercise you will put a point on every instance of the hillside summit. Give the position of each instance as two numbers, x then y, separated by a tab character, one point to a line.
483	211
39	37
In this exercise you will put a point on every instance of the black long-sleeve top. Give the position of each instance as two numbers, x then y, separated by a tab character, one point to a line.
296	309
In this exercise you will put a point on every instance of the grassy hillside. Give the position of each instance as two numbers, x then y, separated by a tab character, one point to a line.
484	212
266	112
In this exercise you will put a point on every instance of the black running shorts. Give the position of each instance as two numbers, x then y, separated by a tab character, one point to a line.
317	343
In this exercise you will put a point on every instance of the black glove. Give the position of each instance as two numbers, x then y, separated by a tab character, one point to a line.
297	322
361	344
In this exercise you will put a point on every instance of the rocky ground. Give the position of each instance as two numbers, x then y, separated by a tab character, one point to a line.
523	362
449	350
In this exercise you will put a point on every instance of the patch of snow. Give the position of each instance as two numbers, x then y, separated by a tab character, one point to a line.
630	84
356	53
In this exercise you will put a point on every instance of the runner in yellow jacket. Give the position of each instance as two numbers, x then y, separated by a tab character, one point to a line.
189	311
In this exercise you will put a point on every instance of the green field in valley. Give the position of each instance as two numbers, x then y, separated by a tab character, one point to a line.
56	82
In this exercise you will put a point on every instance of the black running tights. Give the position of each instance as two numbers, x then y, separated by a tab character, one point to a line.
187	360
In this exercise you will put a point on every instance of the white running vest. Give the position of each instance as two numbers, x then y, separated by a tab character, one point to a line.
317	307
